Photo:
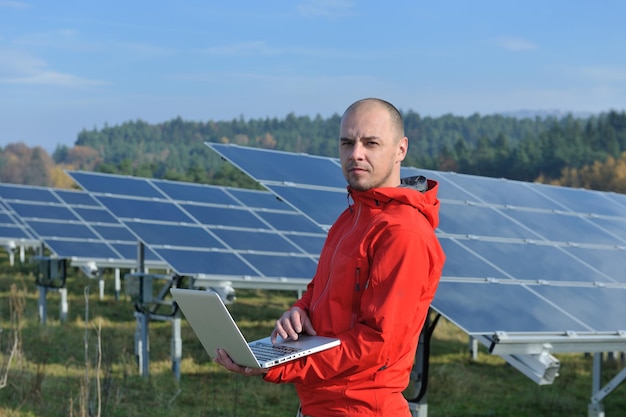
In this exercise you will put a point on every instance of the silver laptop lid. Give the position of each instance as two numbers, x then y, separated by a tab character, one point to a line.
216	328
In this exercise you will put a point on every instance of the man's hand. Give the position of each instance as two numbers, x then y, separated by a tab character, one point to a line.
222	358
291	324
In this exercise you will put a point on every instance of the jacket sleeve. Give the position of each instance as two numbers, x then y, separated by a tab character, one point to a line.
404	272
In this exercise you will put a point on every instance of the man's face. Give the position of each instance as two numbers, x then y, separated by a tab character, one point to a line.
369	148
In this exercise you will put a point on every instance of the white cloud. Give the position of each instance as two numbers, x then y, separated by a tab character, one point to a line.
604	74
8	4
51	78
17	67
515	44
243	49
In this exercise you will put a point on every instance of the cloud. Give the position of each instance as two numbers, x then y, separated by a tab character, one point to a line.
604	74
51	78
17	67
515	44
328	9
252	48
15	5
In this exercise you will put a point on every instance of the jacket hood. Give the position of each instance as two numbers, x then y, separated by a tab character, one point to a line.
418	192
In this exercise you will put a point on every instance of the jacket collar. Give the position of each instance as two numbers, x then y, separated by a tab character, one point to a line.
420	194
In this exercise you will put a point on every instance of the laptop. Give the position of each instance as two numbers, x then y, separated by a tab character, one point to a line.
215	327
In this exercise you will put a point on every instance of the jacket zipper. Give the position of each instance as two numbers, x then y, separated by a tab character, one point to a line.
332	261
356	299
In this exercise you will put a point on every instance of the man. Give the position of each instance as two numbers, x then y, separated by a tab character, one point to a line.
377	275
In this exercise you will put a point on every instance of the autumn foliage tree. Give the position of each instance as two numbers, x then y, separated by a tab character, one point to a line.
20	164
609	175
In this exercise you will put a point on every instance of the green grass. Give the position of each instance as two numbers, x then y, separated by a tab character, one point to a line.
55	371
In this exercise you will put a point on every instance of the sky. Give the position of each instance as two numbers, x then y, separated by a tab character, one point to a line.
73	65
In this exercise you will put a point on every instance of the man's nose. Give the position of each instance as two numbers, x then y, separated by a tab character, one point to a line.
357	151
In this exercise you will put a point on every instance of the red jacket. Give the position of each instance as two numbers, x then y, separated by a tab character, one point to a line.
377	275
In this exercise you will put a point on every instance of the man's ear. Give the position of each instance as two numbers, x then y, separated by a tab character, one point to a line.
403	147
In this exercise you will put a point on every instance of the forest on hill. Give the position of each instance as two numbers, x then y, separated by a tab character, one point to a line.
585	152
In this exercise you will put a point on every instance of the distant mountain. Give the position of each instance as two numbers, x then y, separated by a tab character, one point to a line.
544	114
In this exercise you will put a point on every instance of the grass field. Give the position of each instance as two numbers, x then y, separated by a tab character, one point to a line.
86	365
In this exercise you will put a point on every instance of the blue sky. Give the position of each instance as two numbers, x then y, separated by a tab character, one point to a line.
71	65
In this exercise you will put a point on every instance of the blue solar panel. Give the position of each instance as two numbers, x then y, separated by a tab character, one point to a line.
529	261
490	307
12	232
115	233
254	240
583	304
461	261
154	234
36	211
188	262
257	199
464	219
82	249
95	215
76	198
334	202
289	222
71	223
224	216
564	228
133	187
581	200
66	230
209	231
283	266
498	191
194	192
41	195
284	167
521	257
144	209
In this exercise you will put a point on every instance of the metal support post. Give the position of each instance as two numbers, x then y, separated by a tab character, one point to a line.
101	284
596	408
43	291
118	284
418	410
177	347
142	343
64	305
473	348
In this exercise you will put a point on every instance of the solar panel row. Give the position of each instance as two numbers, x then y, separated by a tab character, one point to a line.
212	232
71	224
521	257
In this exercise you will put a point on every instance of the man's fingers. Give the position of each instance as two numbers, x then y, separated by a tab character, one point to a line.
291	324
222	358
308	327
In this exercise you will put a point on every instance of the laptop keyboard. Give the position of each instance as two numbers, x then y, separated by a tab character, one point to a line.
268	351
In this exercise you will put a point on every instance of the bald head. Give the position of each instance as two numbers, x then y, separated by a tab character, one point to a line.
395	118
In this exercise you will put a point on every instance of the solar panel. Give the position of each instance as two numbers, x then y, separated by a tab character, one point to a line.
12	232
72	225
522	258
213	233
